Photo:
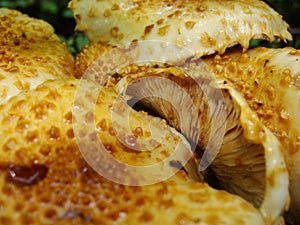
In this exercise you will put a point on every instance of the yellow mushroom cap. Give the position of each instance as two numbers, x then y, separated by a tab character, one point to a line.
269	81
30	53
204	27
64	189
250	160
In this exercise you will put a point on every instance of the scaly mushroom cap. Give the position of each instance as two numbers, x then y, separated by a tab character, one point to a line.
35	122
88	55
269	80
203	27
30	53
45	180
249	163
249	159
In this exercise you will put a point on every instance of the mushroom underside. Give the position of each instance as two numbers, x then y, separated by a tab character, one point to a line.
212	115
269	81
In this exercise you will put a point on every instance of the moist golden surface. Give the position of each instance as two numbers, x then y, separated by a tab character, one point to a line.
204	27
244	155
269	81
45	180
30	53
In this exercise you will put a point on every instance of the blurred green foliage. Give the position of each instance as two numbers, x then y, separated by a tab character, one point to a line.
57	13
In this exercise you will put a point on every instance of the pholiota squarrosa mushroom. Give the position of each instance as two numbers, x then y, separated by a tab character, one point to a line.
48	177
245	156
201	27
50	150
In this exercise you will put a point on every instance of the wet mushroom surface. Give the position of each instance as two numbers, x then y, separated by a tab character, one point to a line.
67	190
125	142
30	54
211	114
203	27
269	81
252	70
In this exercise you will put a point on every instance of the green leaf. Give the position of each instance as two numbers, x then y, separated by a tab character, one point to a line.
7	4
49	7
24	3
81	40
68	14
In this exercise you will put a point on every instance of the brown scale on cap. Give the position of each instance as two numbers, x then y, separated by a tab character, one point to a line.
246	140
204	27
30	54
83	60
268	79
58	186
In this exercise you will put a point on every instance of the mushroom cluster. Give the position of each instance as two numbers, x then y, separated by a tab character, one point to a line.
166	117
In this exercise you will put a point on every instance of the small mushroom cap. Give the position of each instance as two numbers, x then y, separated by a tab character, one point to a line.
38	129
203	27
30	53
269	79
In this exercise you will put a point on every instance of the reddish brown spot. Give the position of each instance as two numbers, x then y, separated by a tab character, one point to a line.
68	117
114	32
115	7
45	150
138	131
78	17
70	133
32	136
200	9
159	22
50	213
190	25
140	202
26	175
22	124
111	131
109	148
146	217
148	29
101	126
5	220
53	133
42	109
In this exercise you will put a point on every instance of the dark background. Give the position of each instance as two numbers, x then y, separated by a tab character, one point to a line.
57	14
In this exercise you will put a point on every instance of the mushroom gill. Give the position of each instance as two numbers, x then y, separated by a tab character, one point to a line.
269	81
204	27
245	156
30	53
45	178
